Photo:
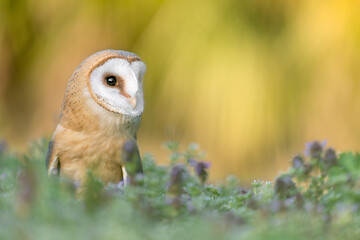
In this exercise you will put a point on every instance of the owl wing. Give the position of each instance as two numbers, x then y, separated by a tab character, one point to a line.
132	161
52	161
137	160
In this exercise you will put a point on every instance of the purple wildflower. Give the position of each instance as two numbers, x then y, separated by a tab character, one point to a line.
307	168
284	185
330	158
314	149
192	162
200	169
298	161
177	177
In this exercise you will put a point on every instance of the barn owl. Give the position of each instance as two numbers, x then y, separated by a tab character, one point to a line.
99	118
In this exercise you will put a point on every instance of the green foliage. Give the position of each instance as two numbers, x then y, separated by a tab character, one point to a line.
317	198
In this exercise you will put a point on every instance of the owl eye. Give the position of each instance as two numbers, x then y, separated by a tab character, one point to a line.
110	80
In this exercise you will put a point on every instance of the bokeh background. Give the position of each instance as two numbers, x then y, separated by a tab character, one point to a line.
249	80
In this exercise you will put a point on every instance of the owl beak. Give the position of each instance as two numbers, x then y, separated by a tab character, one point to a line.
132	101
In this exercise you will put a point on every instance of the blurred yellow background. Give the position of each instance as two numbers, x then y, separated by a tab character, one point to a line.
249	80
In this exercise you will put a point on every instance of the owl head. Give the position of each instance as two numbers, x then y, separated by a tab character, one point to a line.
115	83
108	84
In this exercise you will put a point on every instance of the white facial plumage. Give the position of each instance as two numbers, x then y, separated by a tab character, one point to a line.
129	99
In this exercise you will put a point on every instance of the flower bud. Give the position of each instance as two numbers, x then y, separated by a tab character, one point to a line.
284	185
330	158
297	161
315	149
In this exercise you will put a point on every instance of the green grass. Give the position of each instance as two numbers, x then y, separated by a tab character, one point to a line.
317	198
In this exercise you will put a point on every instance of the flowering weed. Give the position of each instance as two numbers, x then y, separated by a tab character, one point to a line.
317	198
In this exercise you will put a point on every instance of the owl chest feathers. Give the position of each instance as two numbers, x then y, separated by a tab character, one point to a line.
90	137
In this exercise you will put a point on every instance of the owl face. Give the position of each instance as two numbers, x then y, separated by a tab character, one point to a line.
116	85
